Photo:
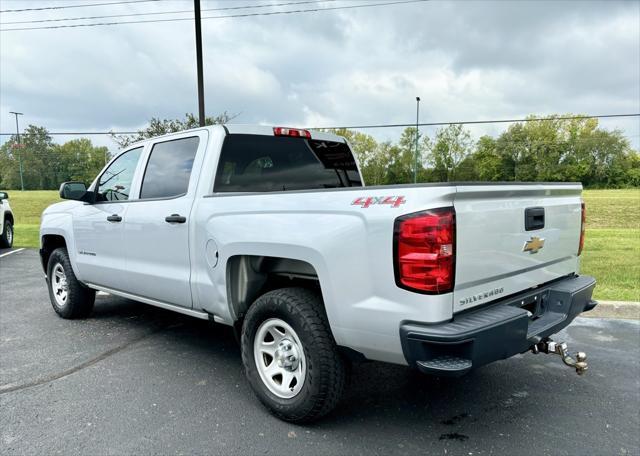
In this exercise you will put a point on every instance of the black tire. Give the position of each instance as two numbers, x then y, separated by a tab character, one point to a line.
6	240
325	379
79	299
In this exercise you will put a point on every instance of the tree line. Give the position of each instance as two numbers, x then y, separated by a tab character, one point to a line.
46	164
552	149
549	150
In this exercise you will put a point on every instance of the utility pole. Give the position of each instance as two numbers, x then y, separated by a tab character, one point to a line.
196	7
415	168
19	146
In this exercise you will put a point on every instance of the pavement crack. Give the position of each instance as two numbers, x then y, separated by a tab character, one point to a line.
90	362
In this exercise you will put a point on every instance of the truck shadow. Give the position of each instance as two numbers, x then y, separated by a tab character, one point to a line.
197	334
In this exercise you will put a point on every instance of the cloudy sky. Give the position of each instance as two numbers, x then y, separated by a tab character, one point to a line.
467	60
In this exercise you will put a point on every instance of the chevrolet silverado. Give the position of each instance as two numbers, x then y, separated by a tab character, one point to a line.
272	231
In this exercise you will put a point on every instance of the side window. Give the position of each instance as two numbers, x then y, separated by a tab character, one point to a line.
169	168
115	182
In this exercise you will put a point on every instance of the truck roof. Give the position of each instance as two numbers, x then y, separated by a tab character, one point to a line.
247	129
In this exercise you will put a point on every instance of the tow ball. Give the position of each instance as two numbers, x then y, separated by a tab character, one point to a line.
550	347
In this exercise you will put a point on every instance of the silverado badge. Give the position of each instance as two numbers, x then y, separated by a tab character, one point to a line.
533	245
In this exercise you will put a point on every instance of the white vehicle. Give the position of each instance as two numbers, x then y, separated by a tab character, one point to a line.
271	231
6	222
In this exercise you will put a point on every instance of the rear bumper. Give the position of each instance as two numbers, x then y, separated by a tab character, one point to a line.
498	331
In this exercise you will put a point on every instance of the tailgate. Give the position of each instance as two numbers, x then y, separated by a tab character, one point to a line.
496	256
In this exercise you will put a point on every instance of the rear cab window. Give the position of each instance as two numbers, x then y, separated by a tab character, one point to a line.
261	163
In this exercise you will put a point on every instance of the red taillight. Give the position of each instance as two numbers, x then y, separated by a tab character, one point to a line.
295	132
424	249
584	219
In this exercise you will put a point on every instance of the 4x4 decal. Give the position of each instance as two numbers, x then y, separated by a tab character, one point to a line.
366	201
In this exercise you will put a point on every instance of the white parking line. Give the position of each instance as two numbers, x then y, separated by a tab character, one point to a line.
9	253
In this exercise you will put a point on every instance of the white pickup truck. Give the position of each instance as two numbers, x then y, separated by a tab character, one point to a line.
271	231
6	222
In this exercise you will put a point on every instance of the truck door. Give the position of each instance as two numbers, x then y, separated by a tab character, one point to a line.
157	228
98	227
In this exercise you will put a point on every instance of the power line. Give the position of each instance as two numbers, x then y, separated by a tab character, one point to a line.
75	6
472	122
226	8
230	16
424	124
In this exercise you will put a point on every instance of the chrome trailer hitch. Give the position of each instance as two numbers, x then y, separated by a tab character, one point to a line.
550	347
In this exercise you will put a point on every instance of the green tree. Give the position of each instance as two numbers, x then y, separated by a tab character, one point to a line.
9	172
158	127
555	149
386	163
80	160
450	147
606	158
407	155
633	173
514	149
489	164
37	157
45	164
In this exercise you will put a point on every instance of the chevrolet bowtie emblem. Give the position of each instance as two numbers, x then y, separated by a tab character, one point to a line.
533	245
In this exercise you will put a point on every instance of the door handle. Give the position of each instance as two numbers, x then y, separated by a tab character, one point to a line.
533	218
175	218
114	218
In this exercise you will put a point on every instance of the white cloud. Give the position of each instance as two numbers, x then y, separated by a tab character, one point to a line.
466	60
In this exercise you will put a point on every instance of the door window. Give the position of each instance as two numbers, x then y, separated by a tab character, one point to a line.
169	168
115	183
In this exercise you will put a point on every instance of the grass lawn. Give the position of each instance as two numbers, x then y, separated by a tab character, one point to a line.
611	253
613	208
612	244
612	256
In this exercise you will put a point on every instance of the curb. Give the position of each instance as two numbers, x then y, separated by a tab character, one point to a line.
628	310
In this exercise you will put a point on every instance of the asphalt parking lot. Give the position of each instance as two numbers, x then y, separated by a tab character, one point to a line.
134	379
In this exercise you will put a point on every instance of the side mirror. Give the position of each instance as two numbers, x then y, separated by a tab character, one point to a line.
73	191
4	196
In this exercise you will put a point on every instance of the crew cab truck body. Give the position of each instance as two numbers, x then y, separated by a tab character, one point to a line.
270	230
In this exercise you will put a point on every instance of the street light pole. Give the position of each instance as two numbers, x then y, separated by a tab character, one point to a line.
19	147
196	7
415	168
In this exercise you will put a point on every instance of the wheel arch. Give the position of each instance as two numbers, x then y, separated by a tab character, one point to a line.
250	276
8	215
48	243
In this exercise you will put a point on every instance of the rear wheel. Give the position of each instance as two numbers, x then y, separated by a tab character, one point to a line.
6	240
69	298
290	357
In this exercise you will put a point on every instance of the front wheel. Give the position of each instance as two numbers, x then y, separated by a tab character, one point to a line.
69	298
290	357
6	240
